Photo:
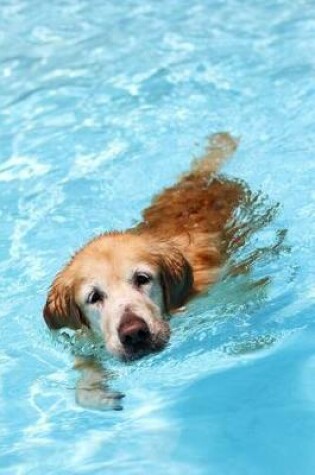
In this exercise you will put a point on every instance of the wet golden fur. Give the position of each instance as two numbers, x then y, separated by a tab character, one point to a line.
181	238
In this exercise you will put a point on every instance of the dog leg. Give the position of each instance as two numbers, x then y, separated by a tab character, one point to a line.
92	391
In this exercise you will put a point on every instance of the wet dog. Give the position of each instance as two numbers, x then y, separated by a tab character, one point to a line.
124	284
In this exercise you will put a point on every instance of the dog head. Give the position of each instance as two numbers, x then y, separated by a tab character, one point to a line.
122	285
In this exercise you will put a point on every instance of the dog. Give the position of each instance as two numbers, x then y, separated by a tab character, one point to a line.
124	285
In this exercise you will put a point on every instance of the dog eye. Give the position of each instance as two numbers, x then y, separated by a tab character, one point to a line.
95	296
141	278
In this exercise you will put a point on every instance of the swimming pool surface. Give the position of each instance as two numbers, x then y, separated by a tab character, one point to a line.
102	103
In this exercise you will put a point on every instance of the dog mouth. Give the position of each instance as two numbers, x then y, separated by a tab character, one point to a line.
138	339
151	345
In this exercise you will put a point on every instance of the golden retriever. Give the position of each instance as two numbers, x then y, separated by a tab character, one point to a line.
123	284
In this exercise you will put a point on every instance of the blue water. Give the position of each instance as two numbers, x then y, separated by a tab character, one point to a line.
101	105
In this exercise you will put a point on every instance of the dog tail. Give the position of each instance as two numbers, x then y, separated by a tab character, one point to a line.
220	147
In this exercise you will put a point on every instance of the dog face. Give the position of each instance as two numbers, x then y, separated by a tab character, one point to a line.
122	285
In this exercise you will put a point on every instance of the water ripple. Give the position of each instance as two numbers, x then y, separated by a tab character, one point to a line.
103	104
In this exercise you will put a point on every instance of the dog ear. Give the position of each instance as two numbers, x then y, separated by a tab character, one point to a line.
61	309
176	277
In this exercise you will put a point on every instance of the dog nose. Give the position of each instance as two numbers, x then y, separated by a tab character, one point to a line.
133	332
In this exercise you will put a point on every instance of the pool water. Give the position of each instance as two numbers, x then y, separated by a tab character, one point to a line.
102	104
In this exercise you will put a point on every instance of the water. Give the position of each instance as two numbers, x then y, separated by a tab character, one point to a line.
101	105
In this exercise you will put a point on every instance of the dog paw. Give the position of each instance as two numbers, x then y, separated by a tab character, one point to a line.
99	399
